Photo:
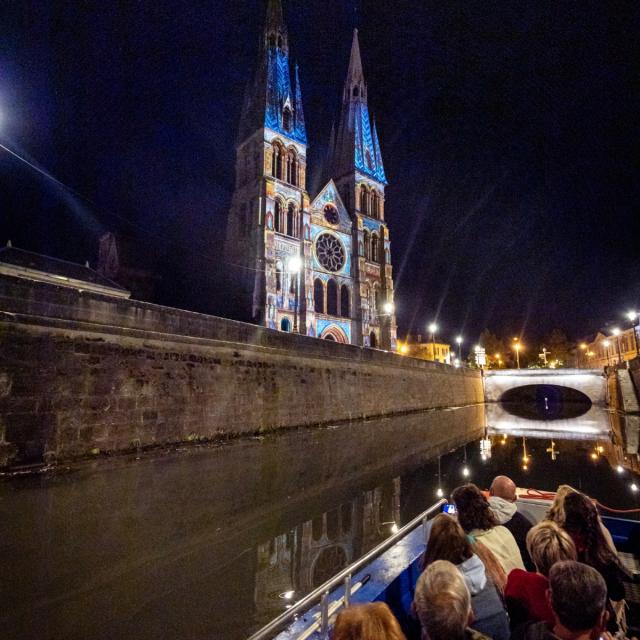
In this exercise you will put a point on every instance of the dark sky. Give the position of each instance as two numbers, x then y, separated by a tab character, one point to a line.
509	132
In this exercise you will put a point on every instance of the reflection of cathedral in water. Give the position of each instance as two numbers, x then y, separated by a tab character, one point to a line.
304	557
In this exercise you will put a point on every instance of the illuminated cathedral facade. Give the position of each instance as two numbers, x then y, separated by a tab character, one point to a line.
317	265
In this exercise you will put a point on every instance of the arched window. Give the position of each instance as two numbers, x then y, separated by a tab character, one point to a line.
364	204
280	42
356	91
318	296
291	220
272	40
278	276
367	245
286	119
285	324
332	298
277	161
344	301
373	341
293	177
375	248
375	205
279	217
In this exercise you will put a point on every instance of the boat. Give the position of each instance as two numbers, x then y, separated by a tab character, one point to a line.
387	572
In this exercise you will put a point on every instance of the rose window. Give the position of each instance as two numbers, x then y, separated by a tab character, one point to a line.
330	252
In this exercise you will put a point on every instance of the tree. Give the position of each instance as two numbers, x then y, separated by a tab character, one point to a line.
493	345
559	347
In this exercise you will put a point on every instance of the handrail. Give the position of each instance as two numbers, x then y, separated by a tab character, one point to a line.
347	572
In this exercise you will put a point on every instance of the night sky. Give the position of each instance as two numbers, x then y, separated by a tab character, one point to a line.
509	132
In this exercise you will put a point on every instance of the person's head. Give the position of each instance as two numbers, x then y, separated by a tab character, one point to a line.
578	596
547	544
372	621
474	511
447	541
442	602
556	511
503	487
581	519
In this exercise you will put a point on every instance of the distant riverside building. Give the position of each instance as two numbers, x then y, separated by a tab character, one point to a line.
18	263
317	264
418	347
609	349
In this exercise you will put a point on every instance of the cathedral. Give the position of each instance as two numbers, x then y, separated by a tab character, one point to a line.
320	264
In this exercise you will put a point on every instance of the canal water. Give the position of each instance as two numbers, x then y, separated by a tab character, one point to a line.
213	542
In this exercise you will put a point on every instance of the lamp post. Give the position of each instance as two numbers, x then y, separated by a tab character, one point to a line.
294	266
459	341
616	334
605	344
633	316
433	327
517	346
585	348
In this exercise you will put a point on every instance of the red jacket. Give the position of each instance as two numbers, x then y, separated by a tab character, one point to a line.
525	595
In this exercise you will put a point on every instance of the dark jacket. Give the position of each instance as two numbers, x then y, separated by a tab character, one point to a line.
534	631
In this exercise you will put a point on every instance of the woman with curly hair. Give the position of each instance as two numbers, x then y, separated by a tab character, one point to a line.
447	541
477	520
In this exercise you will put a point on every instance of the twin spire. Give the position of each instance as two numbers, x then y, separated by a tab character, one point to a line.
354	86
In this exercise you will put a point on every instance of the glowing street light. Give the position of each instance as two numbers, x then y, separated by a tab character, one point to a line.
632	317
517	346
433	327
615	332
605	344
459	341
388	307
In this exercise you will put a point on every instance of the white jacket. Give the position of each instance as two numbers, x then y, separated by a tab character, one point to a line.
501	542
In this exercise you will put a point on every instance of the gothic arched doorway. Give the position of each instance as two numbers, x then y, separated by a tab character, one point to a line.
335	334
373	340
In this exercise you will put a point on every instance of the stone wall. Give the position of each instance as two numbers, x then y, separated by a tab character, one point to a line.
82	374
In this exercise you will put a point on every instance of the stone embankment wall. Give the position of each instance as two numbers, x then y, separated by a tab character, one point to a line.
82	374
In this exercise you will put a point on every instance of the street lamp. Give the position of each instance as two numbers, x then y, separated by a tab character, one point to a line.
605	344
633	316
517	346
294	266
388	308
433	327
616	334
459	341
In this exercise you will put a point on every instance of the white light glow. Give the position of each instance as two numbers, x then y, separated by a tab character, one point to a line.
615	331
433	327
439	492
634	487
394	528
620	468
388	307
294	265
459	339
287	595
465	471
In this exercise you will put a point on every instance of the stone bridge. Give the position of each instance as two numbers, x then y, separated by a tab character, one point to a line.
589	382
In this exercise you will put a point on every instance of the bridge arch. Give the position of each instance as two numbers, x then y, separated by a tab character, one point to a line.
590	383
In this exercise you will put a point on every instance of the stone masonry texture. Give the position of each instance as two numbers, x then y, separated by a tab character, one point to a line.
82	374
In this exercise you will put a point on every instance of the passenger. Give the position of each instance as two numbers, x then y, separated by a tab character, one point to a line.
443	604
478	520
582	523
447	541
502	500
577	597
372	621
526	592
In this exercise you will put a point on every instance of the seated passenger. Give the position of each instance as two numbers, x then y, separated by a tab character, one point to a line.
443	604
502	500
478	521
447	541
582	523
577	597
526	593
372	621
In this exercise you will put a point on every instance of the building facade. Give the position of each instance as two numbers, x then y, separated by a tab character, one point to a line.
320	265
607	350
415	347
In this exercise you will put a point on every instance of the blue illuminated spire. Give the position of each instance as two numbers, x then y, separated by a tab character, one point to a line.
272	100
356	145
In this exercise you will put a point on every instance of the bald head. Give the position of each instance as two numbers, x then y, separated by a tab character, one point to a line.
503	487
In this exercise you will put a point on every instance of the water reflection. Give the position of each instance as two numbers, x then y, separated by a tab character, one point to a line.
215	542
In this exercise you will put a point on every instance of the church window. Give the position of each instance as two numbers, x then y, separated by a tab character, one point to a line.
330	252
364	204
332	298
280	217
285	324
331	214
375	248
278	276
318	296
375	204
344	301
367	245
286	119
291	220
292	168
277	160
272	40
356	91
373	341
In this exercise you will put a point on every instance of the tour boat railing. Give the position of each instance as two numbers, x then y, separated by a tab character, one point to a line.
322	592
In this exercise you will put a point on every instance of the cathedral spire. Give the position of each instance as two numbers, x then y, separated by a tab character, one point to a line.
354	86
297	106
275	30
